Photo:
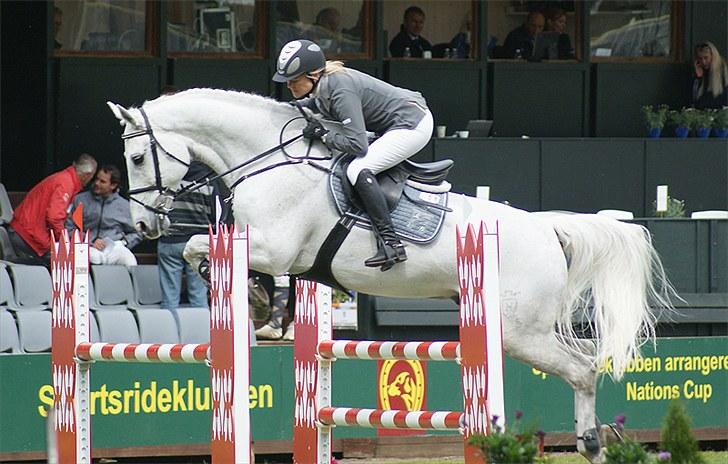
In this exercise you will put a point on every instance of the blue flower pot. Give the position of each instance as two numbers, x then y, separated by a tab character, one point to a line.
721	133
703	132
681	132
655	132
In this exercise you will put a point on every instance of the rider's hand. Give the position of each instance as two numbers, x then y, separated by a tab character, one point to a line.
314	130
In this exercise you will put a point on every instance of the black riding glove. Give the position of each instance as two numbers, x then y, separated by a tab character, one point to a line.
314	130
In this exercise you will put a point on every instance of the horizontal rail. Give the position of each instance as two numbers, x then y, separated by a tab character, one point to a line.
426	351
391	419
144	352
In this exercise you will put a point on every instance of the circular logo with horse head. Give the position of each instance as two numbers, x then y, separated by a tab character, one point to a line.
402	385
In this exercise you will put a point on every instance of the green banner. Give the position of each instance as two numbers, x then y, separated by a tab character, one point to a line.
167	404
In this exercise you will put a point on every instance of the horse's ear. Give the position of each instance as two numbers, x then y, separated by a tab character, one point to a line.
123	115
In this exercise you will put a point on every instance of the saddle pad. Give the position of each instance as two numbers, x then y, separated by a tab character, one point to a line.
413	221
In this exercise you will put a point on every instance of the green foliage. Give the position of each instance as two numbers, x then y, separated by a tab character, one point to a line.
627	451
682	118
720	118
675	208
677	437
510	446
702	119
655	117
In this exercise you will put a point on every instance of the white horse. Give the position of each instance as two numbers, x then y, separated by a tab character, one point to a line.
554	267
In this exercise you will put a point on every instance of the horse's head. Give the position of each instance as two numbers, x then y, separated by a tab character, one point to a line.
156	161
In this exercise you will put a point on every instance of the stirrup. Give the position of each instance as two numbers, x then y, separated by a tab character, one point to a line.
388	254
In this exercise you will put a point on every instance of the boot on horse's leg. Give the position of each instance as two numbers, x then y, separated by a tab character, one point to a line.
390	250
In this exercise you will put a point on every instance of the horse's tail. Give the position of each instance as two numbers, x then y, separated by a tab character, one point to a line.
614	276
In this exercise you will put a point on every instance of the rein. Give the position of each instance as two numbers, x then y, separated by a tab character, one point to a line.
163	205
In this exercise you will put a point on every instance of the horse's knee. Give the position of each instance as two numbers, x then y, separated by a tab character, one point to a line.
196	250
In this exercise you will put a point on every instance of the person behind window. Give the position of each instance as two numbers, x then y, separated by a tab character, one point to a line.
460	44
325	30
556	22
710	84
107	219
520	41
360	103
57	23
45	208
409	37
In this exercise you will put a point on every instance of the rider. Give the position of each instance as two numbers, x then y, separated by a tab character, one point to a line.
359	102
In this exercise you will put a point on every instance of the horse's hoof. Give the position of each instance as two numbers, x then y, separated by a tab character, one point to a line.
204	270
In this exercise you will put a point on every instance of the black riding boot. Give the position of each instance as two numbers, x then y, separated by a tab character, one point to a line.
390	250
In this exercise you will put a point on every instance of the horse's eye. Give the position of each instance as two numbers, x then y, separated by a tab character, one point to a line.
138	159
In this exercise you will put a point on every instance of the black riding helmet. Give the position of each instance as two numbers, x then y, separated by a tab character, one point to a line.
298	57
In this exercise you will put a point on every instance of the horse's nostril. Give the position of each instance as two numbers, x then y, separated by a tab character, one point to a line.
141	227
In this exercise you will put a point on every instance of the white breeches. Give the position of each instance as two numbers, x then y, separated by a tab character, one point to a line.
116	254
391	148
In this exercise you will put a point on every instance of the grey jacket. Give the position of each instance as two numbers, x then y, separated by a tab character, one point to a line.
105	218
361	102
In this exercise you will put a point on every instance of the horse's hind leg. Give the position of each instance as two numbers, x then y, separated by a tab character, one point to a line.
548	355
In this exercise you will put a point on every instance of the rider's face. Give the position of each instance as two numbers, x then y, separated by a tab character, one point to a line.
300	86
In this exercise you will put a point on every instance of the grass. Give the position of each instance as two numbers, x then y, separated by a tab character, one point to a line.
711	457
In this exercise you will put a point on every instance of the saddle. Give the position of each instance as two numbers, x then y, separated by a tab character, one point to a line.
417	196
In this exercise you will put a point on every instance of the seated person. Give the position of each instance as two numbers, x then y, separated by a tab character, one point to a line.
556	22
710	83
45	208
409	35
520	41
460	44
325	31
107	218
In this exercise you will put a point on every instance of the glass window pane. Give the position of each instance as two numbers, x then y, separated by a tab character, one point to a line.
225	26
630	28
100	25
532	30
339	27
444	29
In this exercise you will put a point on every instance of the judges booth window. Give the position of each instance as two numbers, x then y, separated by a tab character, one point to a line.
340	27
214	27
106	26
632	29
533	30
430	29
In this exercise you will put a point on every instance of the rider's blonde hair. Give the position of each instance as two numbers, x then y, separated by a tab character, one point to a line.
332	67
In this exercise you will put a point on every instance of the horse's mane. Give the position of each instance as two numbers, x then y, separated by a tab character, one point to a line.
245	99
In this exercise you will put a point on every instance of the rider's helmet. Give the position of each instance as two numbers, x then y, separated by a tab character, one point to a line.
298	57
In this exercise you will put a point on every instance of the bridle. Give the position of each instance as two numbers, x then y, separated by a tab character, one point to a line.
163	203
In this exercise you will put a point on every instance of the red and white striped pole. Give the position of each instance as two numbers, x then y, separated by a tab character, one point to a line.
70	326
312	374
481	345
228	352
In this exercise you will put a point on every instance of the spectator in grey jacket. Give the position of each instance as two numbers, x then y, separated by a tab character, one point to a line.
360	103
107	218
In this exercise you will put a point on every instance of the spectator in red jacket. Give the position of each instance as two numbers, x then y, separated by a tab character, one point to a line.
45	209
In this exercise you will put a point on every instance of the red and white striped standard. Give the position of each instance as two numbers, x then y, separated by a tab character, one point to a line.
365	349
391	418
144	352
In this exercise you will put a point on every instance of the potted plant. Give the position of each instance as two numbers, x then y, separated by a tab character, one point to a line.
682	121
655	118
702	121
720	122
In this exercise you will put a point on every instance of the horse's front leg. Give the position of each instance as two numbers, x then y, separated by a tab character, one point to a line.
197	254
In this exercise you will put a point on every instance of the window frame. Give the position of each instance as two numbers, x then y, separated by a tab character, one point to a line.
677	34
151	38
261	40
